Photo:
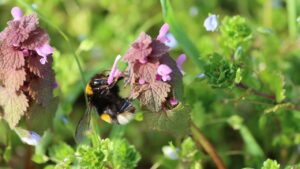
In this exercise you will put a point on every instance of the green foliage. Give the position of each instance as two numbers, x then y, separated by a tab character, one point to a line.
247	105
220	73
116	154
270	164
235	32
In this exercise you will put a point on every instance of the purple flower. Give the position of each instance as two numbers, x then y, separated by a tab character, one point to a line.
114	70
164	71
211	23
44	51
162	36
180	61
173	101
32	139
17	13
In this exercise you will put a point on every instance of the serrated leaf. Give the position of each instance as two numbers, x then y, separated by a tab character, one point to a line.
270	164
140	49
36	67
60	151
175	122
155	95
10	58
14	105
158	49
176	76
146	71
14	79
40	89
36	38
276	83
18	31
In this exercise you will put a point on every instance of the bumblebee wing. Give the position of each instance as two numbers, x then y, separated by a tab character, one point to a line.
83	125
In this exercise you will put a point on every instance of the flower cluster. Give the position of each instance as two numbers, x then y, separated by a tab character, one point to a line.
155	78
25	66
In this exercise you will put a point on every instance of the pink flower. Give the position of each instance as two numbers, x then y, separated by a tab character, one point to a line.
180	61
141	81
17	13
173	101
164	71
162	36
114	70
44	51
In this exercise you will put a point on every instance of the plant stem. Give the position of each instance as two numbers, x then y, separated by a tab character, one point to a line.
256	92
291	9
201	140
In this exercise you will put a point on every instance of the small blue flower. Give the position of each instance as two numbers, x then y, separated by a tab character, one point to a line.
32	138
201	76
172	43
211	23
171	152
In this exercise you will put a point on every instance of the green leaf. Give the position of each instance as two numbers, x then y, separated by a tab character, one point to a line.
275	82
220	73
7	153
235	32
60	151
123	155
188	148
252	147
175	121
180	34
270	164
40	150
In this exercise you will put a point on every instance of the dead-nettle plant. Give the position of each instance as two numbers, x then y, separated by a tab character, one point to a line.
155	78
26	76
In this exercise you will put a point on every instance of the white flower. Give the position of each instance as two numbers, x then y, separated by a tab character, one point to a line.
170	152
171	43
32	138
211	23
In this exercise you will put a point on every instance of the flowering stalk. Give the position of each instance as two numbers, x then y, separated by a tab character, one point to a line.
155	78
25	66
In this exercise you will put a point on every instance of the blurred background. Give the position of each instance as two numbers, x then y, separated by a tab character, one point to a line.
98	30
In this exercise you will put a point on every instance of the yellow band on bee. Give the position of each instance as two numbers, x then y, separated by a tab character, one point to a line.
88	90
105	117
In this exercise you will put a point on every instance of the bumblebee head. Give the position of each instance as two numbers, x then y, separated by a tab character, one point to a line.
122	118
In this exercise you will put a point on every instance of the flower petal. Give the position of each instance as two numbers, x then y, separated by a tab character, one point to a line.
163	32
173	101
17	13
32	139
180	61
44	50
170	152
211	23
164	70
113	71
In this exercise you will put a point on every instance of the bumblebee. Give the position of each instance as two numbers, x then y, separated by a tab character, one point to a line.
105	98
